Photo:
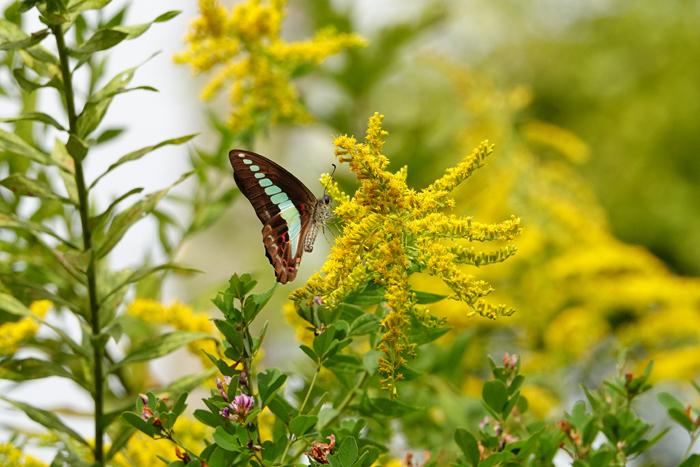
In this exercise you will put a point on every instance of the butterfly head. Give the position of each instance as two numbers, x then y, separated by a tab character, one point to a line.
323	210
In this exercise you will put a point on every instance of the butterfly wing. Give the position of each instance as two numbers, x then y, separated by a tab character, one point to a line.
283	204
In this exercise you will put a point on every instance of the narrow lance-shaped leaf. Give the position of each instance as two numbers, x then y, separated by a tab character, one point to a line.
60	155
127	218
159	346
34	39
101	40
31	368
82	5
12	143
37	117
140	274
8	222
142	152
47	419
96	222
23	186
97	104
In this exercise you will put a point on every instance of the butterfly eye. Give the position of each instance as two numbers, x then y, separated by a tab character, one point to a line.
327	199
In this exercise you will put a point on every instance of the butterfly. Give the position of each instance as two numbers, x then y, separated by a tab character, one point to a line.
290	213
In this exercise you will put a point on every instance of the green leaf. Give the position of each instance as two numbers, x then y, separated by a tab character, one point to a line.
120	439
142	152
495	394
11	305
34	39
322	343
226	440
268	384
10	142
8	222
467	443
37	117
207	418
159	346
98	221
301	424
370	361
46	419
31	368
108	135
347	454
309	352
129	217
140	424
188	383
101	40
364	324
167	16
82	5
692	461
670	402
681	418
426	298
140	274
422	335
23	186
97	104
61	156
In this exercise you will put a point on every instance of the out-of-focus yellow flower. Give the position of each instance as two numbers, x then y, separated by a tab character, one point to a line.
574	331
245	48
12	334
570	260
10	456
564	141
539	401
141	450
391	230
180	317
300	326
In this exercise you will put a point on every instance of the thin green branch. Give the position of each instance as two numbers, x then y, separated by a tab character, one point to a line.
84	208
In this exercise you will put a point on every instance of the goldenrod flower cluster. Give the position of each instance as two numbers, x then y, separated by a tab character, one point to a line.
12	334
182	318
245	48
581	290
391	230
10	456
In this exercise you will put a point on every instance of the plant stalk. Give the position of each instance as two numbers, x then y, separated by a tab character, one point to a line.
84	208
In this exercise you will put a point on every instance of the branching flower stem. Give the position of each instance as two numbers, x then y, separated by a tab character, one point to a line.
301	408
84	208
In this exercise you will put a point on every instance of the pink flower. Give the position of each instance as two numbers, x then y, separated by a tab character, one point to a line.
239	409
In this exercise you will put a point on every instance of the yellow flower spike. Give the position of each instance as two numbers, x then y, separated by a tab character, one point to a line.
14	333
390	230
244	48
11	456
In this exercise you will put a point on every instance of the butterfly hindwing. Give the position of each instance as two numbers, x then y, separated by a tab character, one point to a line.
283	204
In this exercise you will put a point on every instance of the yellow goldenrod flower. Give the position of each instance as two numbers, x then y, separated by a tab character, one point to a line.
10	456
391	230
182	318
12	334
244	50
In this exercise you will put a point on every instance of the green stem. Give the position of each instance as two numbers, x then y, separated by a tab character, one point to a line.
693	438
301	408
311	386
84	208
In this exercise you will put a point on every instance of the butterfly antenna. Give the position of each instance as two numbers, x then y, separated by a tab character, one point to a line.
325	188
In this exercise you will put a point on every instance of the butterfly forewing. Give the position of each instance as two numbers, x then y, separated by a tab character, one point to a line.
283	204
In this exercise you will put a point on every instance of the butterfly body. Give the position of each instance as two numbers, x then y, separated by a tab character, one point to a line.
290	213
